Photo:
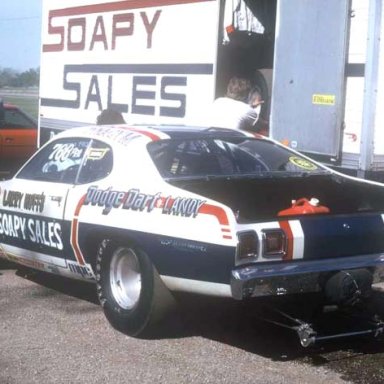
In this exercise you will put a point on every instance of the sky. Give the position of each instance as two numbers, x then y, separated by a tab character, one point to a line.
20	28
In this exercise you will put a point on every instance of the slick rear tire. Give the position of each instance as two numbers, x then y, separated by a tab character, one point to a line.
133	297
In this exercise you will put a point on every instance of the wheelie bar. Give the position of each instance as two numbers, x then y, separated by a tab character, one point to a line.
308	336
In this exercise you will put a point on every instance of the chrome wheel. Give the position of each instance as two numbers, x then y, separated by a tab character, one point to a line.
125	278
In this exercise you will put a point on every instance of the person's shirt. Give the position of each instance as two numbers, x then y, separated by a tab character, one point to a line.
234	114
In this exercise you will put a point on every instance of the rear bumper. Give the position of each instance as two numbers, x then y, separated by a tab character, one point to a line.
274	279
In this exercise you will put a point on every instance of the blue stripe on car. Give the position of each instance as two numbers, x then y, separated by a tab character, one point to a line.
340	236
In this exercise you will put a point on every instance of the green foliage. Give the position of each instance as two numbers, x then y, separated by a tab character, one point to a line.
12	78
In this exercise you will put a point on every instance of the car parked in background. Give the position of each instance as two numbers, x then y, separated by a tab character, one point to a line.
18	137
143	211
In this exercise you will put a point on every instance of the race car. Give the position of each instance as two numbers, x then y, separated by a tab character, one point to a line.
144	211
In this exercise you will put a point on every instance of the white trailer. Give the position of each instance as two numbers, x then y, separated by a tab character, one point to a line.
329	82
165	61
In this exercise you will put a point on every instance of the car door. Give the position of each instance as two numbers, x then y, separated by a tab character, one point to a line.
18	135
32	204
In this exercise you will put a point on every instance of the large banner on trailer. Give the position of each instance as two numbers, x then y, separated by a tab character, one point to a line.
154	61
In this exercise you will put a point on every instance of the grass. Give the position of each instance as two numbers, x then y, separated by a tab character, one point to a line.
29	104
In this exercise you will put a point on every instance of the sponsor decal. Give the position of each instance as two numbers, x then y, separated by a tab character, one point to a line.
12	199
303	163
138	201
84	271
120	135
29	201
320	99
97	153
37	231
181	206
34	202
184	245
62	152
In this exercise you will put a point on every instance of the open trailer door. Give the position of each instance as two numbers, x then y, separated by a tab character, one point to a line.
308	77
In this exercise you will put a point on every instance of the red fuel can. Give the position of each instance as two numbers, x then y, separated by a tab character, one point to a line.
304	206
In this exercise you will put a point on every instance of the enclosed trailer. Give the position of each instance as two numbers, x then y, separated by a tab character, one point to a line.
166	61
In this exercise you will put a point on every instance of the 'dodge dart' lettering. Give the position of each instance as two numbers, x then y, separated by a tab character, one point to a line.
137	201
109	198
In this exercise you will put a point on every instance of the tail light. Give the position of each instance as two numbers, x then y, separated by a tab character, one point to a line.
248	245
274	242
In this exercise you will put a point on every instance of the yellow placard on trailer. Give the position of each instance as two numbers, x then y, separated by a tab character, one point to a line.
323	99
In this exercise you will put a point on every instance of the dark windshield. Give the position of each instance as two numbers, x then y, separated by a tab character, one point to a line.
227	157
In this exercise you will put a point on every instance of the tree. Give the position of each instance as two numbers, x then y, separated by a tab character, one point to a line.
12	78
6	76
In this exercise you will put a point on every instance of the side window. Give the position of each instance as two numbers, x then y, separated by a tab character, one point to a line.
97	164
58	162
15	119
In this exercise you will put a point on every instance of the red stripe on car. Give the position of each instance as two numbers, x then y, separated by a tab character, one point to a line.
284	225
75	233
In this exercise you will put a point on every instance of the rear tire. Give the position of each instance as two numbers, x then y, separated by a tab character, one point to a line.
129	288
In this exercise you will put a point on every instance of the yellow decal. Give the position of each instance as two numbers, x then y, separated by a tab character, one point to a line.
302	163
323	99
97	153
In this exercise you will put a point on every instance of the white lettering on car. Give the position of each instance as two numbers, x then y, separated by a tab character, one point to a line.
37	231
45	233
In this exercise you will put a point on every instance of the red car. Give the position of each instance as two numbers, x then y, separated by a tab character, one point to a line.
18	137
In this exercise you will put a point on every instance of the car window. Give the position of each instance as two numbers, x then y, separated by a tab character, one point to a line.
15	119
226	156
58	162
97	163
70	160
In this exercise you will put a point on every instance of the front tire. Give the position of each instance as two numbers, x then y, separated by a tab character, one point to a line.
129	288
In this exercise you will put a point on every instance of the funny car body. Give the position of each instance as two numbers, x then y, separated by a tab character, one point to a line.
145	211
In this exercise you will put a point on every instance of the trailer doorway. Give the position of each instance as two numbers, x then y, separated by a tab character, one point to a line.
246	53
303	45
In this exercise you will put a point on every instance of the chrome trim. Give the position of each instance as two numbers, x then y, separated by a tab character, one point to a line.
288	277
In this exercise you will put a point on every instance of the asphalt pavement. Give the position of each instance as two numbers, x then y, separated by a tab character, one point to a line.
52	330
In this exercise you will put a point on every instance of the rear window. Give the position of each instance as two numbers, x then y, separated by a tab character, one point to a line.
13	118
226	157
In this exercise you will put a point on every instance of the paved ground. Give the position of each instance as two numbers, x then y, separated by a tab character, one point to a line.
53	331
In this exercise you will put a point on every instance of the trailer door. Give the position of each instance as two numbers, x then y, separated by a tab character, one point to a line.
308	78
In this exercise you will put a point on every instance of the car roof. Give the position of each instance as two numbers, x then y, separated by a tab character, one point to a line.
10	106
114	133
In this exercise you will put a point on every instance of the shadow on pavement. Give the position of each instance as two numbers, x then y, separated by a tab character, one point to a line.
5	264
81	290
